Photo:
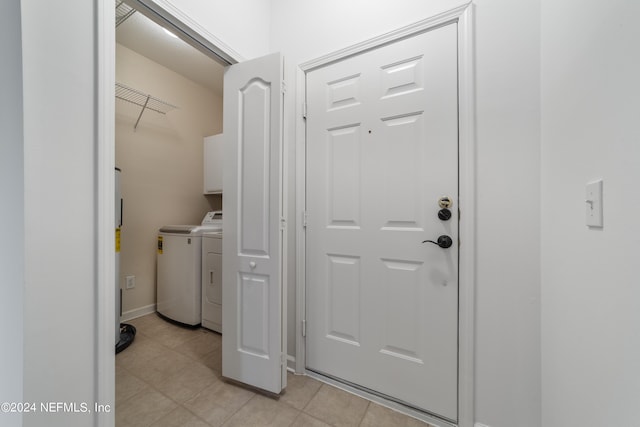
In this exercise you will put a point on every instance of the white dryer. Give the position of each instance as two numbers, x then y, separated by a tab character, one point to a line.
179	269
212	281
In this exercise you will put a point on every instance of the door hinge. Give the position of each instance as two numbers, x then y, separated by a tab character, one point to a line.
305	217
304	328
304	111
283	223
283	87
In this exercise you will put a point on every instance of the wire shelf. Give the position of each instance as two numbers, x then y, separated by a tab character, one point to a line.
144	100
123	12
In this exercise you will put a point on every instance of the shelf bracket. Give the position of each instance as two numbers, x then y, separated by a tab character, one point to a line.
141	111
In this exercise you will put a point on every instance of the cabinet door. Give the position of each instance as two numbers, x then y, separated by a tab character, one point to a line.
213	164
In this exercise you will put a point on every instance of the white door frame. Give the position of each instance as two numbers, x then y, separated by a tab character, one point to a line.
463	15
165	14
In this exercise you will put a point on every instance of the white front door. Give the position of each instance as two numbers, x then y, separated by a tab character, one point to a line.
252	311
382	149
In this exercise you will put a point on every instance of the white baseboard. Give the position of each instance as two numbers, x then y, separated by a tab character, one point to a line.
138	312
480	425
291	363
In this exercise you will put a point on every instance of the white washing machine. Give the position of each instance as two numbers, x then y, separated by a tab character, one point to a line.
212	281
179	269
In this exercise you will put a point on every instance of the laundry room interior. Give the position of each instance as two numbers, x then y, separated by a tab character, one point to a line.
160	154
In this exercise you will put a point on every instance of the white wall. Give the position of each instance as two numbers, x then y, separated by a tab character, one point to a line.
12	212
321	27
590	286
59	180
508	198
508	167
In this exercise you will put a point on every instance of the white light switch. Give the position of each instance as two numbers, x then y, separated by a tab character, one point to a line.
594	204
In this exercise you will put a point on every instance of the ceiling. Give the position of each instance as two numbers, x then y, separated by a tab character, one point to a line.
149	39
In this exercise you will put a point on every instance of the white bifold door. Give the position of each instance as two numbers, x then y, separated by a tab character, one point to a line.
253	342
382	157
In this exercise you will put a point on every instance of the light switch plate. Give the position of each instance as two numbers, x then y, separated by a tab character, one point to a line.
594	204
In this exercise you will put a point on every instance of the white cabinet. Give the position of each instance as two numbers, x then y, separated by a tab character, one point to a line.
213	164
212	281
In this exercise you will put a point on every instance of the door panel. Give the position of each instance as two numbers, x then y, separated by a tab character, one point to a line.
382	148
252	340
402	281
401	191
253	315
344	294
344	175
254	135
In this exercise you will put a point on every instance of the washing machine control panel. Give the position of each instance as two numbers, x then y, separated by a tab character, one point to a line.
213	218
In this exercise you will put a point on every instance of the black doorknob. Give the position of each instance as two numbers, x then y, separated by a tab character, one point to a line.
443	241
444	214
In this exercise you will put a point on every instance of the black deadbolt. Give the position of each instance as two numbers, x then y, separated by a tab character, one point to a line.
443	241
444	214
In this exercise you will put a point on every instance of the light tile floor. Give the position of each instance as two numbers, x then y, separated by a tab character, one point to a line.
170	377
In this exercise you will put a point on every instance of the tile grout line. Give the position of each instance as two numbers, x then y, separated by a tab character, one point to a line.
314	395
226	421
364	414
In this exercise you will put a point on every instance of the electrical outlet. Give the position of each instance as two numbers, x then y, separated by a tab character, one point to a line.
130	282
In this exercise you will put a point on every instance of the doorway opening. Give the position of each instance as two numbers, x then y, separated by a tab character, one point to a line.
168	98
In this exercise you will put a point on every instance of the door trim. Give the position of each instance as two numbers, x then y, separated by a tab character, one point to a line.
165	14
463	15
105	304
